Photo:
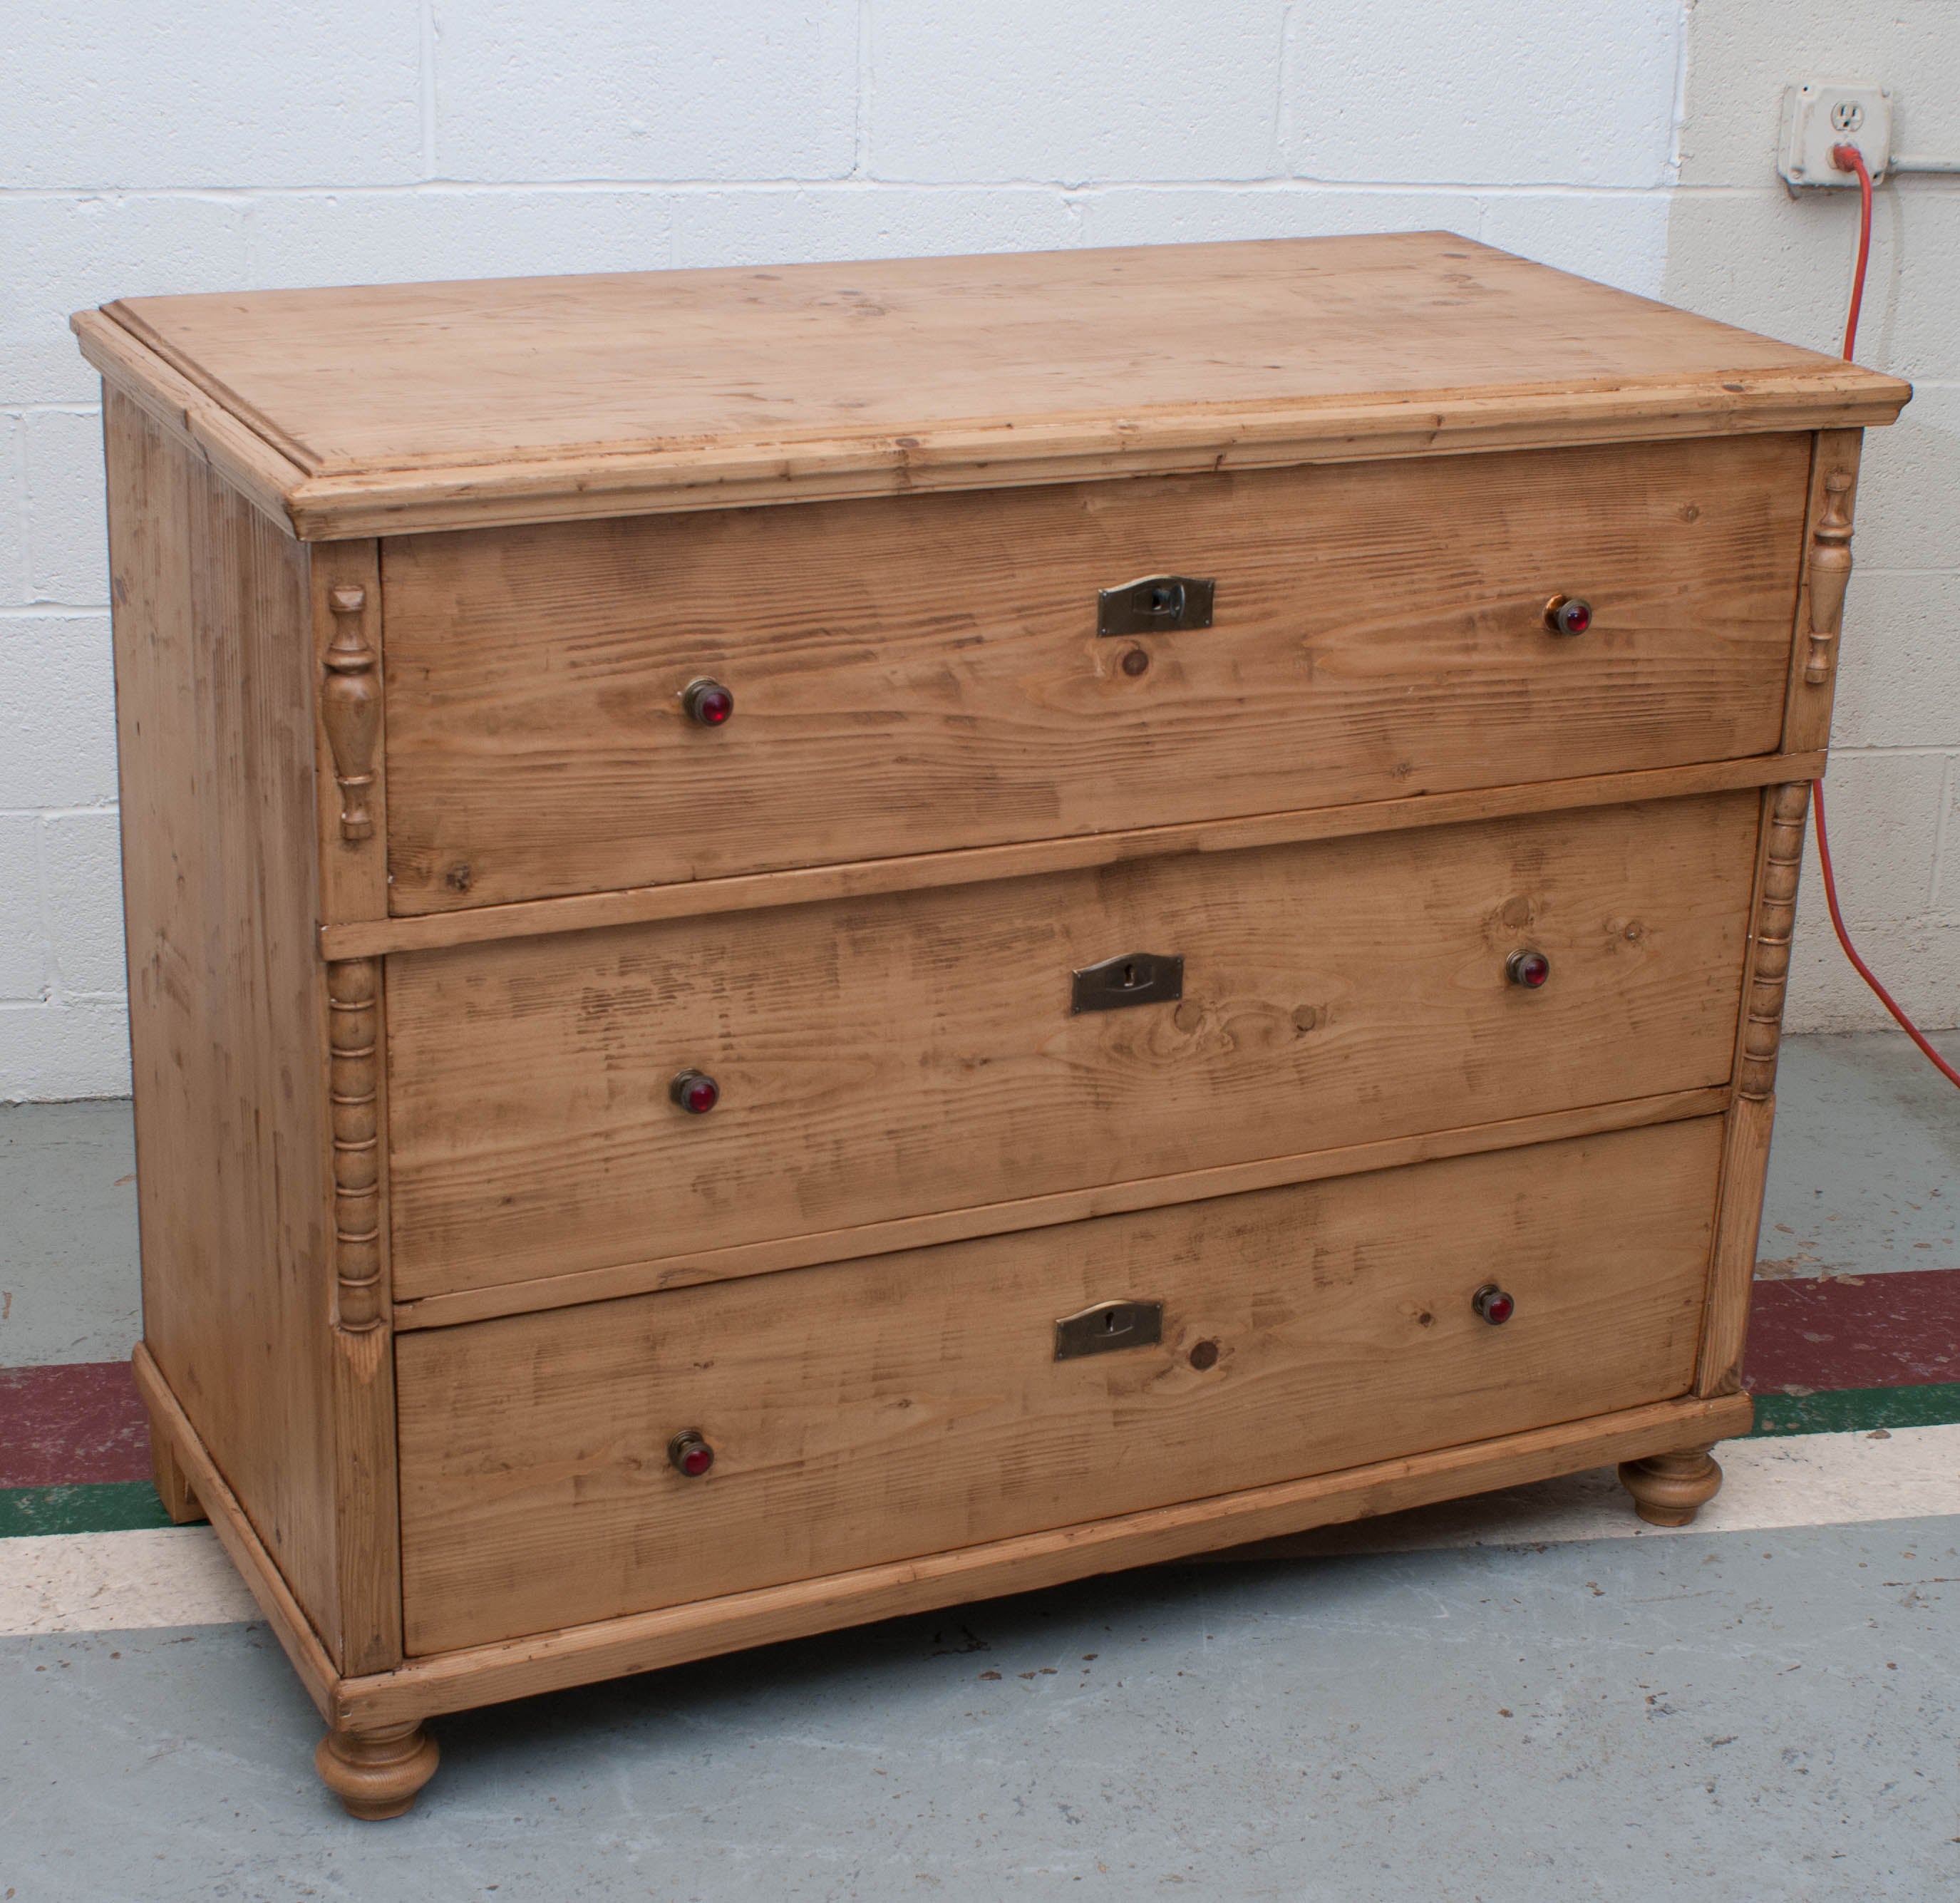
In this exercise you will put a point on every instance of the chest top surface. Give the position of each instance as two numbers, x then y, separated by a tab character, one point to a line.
403	407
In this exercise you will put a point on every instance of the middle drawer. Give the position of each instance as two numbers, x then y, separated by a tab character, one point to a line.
892	1056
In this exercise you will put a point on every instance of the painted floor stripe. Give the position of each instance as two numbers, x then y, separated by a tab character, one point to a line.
180	1576
1804	1480
104	1506
67	1423
1855	1331
121	1506
119	1581
1936	1404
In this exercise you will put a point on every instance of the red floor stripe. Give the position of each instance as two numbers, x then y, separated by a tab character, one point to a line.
81	1422
72	1423
1886	1331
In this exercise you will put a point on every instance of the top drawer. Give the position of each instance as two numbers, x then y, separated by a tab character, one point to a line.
923	673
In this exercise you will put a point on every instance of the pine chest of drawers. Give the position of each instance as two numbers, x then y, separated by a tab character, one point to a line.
807	942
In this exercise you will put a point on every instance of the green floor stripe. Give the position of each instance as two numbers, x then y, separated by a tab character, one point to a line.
121	1505
1935	1405
103	1506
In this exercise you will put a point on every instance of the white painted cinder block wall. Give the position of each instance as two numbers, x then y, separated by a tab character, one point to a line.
223	145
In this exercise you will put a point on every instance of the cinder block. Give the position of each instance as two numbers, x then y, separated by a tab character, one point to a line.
1771	263
13	509
1741	53
1947	868
1917	960
1917	330
23	953
225	93
1203	214
67	534
1898	681
1884	810
647	89
51	1053
854	221
57	712
455	231
1909	490
1108	90
1495	92
1615	237
65	254
82	902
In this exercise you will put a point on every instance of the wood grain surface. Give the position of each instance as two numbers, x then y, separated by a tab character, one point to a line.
411	406
868	1412
1039	1212
890	1057
213	653
925	674
981	865
246	1547
1807	719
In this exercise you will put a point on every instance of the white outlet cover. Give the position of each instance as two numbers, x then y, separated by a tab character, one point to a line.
1822	113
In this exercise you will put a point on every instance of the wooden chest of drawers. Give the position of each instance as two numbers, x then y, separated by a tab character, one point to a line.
804	943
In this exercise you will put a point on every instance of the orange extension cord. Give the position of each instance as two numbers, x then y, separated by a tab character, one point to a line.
1848	158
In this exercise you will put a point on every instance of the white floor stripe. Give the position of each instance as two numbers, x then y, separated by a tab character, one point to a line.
180	1576
1803	1480
118	1582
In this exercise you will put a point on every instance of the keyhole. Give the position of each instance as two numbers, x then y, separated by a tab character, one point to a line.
1129	976
1163	600
1110	1321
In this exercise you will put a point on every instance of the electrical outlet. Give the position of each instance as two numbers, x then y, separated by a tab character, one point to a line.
1823	113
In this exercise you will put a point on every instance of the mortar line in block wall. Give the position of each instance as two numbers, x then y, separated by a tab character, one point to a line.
95	812
1682	61
861	128
1942	827
425	82
1842	750
18	479
850	185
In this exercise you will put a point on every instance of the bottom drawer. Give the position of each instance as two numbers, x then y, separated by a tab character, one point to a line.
911	1403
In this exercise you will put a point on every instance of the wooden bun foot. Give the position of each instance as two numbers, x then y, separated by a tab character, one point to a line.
173	1487
1668	1489
377	1774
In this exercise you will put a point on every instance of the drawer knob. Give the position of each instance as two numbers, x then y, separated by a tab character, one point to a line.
689	1453
707	703
1529	968
1493	1304
695	1091
1568	614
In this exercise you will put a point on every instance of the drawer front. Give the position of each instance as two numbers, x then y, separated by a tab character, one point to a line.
910	1404
897	1056
923	673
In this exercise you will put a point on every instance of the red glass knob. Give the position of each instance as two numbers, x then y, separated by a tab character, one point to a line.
707	702
1568	615
689	1453
1529	968
695	1092
1493	1304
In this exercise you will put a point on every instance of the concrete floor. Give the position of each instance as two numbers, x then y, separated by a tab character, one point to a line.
1632	1719
1681	1717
